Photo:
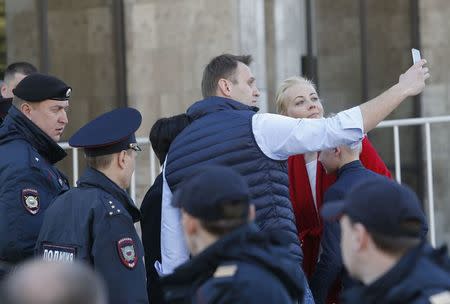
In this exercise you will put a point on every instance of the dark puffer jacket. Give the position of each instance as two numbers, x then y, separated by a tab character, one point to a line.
221	134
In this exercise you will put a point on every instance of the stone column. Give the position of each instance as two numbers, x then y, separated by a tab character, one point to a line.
285	42
22	31
435	102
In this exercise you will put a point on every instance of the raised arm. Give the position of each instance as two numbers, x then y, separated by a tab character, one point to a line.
411	83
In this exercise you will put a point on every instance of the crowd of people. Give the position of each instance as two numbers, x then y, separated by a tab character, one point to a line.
250	207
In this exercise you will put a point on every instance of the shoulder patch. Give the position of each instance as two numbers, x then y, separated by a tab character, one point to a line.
440	298
30	200
127	252
225	271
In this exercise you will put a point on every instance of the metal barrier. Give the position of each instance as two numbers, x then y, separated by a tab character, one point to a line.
394	124
426	123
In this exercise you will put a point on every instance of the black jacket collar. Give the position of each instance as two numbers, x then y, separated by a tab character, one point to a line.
18	126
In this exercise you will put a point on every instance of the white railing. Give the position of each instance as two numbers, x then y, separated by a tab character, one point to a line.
394	124
426	123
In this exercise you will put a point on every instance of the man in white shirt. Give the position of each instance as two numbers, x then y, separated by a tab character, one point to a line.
227	131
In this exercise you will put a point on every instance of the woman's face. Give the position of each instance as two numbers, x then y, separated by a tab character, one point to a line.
302	101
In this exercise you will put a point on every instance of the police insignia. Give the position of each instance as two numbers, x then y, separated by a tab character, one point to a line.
440	298
127	252
30	200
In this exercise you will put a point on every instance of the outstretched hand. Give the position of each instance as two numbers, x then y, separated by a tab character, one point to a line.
412	81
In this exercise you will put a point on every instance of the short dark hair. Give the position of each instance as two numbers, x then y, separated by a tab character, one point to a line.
222	66
235	214
21	67
164	131
397	245
99	162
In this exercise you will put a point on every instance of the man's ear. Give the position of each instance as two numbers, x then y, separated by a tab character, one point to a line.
224	87
337	152
121	159
26	109
360	237
3	89
190	224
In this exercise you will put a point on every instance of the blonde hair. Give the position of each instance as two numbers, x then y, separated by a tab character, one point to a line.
280	97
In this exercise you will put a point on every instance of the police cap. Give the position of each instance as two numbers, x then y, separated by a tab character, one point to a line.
382	206
203	196
109	133
38	87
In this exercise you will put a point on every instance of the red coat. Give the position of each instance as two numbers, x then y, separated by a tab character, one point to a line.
309	223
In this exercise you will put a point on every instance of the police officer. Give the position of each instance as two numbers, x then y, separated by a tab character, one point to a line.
233	261
382	246
28	146
14	73
95	221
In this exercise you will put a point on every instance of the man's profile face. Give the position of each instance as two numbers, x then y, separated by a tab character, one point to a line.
10	84
243	86
50	116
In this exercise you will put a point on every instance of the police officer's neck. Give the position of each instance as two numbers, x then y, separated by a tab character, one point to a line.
202	240
116	175
375	264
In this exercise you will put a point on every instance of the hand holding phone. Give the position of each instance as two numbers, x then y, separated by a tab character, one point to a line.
415	55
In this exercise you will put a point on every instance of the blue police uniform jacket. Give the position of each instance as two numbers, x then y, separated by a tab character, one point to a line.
95	223
330	265
421	276
244	266
221	133
28	184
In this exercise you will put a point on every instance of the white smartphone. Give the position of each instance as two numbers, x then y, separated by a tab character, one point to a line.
415	55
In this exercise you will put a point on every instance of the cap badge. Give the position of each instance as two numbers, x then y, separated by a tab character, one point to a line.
127	252
30	200
69	90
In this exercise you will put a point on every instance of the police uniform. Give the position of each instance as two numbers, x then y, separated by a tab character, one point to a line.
419	277
245	265
421	274
95	221
28	179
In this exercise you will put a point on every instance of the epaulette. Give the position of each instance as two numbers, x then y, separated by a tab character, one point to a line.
225	271
440	298
112	208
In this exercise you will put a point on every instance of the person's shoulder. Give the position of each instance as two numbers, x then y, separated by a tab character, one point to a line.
19	153
336	191
153	195
428	281
107	204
